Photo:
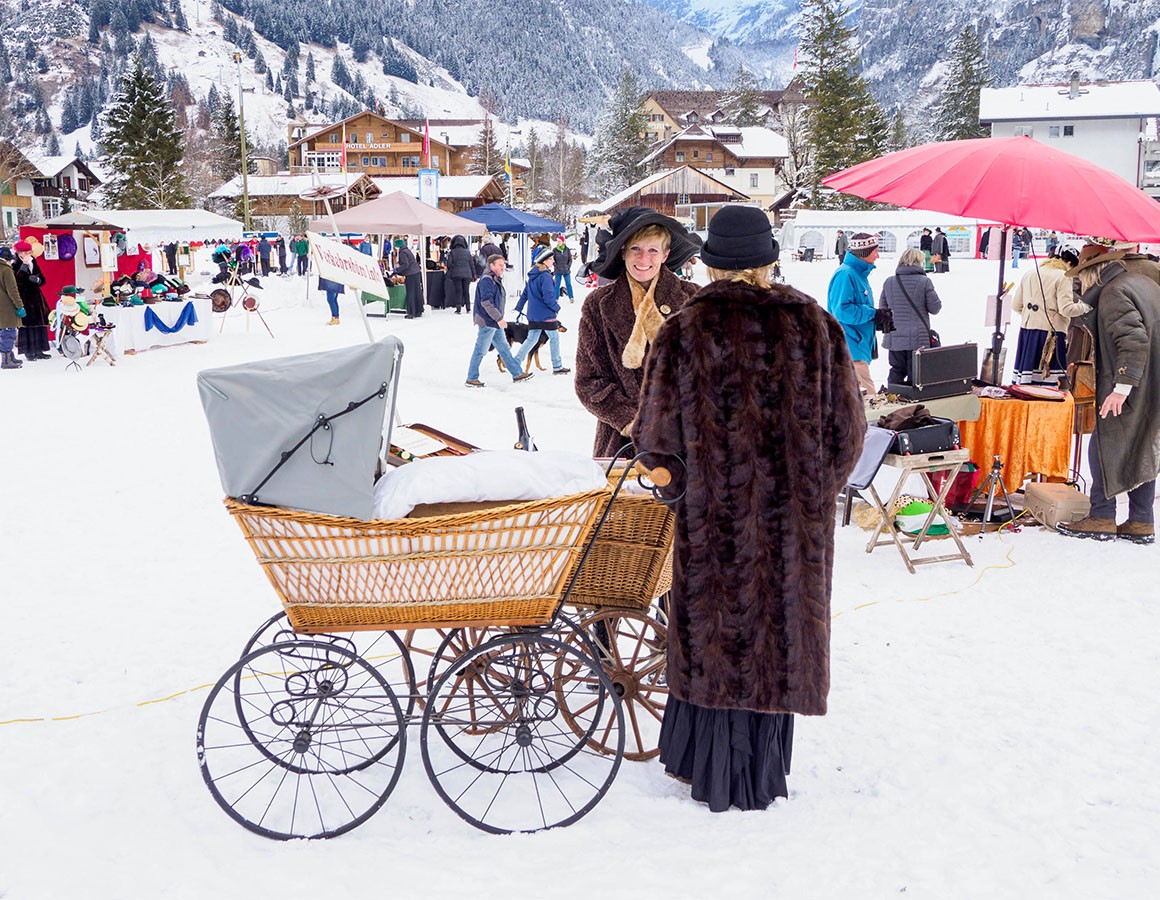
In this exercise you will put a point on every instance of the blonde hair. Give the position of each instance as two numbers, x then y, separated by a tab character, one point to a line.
756	277
651	232
1089	277
912	257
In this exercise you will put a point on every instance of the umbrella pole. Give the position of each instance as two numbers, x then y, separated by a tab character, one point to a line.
995	359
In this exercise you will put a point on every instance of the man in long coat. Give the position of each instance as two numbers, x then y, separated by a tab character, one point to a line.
1124	453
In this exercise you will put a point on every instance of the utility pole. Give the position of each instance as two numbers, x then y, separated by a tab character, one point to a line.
242	135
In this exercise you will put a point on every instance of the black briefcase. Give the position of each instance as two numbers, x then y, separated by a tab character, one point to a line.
940	372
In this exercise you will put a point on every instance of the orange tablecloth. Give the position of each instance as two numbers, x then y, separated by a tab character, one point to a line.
1030	436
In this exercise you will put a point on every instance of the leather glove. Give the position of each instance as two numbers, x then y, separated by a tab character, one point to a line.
21	312
884	320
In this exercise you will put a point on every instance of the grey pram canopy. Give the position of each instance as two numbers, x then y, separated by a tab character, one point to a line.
304	432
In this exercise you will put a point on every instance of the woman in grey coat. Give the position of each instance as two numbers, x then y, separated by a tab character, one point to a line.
911	320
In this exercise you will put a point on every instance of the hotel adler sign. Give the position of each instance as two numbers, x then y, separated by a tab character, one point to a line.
357	146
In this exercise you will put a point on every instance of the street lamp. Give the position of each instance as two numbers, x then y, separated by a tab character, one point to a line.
242	135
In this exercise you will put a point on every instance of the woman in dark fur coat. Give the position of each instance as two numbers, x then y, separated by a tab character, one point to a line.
620	320
751	384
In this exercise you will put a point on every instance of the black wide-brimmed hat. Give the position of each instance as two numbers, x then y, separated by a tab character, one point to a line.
740	237
626	222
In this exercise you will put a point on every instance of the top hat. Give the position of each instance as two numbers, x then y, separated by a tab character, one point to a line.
626	222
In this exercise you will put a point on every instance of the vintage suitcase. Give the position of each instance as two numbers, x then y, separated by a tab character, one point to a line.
940	372
1050	503
943	435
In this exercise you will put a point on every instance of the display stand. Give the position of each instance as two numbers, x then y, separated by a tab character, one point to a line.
924	464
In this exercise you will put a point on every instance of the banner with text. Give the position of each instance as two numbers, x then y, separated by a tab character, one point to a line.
345	265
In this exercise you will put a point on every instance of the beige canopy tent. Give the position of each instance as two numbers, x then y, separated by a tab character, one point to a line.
399	213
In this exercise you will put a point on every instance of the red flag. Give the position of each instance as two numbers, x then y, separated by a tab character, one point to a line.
795	50
427	143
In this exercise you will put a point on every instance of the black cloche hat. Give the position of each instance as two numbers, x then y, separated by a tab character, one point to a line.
740	237
626	222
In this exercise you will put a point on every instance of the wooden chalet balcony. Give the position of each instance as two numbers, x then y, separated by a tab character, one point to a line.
47	190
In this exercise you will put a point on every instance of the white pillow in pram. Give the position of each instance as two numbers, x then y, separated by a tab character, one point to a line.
488	475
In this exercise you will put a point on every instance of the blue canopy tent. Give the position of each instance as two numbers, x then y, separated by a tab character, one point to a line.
501	219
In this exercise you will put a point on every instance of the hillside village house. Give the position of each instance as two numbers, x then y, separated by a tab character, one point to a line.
674	192
371	144
669	112
749	160
44	186
1111	124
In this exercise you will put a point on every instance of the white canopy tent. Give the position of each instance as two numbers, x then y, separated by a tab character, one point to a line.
152	227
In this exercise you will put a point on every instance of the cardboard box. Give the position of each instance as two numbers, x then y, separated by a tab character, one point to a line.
1051	503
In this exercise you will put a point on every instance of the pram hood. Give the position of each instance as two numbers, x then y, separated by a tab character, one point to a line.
259	411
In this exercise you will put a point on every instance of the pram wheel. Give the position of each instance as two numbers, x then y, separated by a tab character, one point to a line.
507	760
301	739
384	650
631	647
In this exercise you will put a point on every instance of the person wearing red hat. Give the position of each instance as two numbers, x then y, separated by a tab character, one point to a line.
33	340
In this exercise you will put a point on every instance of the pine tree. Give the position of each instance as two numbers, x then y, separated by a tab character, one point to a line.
743	103
899	140
148	54
68	114
212	99
53	148
41	63
179	20
5	64
620	144
339	74
847	126
144	145
287	92
310	77
485	156
956	112
534	180
269	82
226	148
78	152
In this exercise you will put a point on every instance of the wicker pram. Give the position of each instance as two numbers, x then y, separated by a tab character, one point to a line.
508	565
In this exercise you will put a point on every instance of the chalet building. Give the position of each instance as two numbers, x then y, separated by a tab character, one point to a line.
273	196
669	112
1109	123
44	186
749	160
370	144
671	192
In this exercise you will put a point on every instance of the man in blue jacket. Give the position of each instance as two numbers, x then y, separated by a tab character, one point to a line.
851	302
488	315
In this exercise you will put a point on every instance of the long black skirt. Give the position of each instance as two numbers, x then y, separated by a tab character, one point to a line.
1029	353
32	340
733	757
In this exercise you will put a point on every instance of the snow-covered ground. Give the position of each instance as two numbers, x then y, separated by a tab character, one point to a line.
992	731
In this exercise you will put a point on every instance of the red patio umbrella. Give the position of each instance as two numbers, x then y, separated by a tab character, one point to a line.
1010	181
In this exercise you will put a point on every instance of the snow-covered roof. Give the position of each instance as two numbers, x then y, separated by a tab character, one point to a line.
756	141
153	226
1034	102
282	185
451	187
51	166
616	199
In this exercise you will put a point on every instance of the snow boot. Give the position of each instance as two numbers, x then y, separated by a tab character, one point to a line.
8	360
1136	532
1095	529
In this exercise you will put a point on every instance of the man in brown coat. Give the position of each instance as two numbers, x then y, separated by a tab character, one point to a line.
11	312
619	320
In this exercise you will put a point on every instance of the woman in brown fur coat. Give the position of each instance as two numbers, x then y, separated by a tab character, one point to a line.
751	384
620	320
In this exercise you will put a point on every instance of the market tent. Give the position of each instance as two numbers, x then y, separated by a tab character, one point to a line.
499	219
398	213
152	226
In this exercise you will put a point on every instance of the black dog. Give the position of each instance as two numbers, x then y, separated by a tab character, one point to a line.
516	333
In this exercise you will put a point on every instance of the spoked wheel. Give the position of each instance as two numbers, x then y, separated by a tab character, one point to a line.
385	650
301	739
630	646
456	643
505	759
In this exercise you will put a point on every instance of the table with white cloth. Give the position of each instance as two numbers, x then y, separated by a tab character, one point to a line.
159	324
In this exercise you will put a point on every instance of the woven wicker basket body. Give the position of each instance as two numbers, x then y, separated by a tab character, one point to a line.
631	562
505	566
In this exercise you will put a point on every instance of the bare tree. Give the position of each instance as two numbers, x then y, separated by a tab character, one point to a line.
792	122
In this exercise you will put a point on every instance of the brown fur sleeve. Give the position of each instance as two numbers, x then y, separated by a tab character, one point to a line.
597	386
657	428
847	427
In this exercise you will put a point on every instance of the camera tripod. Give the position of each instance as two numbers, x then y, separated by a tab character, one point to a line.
993	482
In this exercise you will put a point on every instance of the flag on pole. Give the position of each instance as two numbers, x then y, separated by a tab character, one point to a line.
507	166
342	150
795	50
427	143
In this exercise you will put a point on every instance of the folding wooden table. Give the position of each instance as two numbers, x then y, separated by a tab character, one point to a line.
924	464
